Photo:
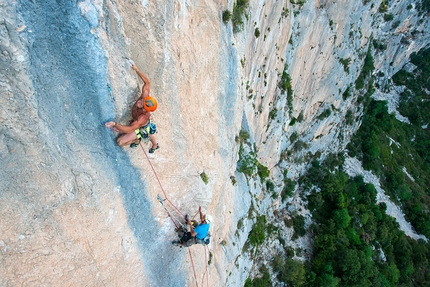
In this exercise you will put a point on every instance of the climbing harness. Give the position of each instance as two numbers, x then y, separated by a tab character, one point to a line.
144	131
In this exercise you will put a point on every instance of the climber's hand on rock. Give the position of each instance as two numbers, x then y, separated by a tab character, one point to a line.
110	124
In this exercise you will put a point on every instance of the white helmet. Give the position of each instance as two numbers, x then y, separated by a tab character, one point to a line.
208	219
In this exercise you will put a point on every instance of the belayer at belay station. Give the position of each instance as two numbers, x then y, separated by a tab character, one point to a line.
198	233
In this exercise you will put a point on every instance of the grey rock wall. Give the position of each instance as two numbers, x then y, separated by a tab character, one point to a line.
78	210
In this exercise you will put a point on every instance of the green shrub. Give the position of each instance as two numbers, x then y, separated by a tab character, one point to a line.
388	17
288	190
257	235
290	271
257	32
292	122
270	186
204	177
301	117
346	94
263	172
226	16
293	137
247	164
345	63
273	113
349	117
383	7
366	70
325	114
299	145
263	281
423	6
238	11
298	225
378	45
243	136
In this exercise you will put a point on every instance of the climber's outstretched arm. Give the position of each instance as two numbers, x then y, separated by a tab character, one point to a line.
147	85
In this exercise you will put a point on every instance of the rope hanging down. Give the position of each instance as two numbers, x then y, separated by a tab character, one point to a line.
171	217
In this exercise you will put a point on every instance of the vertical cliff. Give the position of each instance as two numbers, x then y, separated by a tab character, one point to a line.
76	209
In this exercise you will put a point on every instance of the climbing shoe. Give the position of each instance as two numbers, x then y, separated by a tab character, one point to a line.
151	150
187	217
133	145
176	243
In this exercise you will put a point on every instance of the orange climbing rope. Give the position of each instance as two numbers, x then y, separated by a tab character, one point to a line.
165	195
159	182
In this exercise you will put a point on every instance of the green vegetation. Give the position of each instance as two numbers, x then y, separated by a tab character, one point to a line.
377	45
240	223
345	63
243	136
273	113
366	70
292	122
298	2
293	137
299	145
388	17
423	6
355	242
262	171
270	186
349	117
238	12
289	271
288	190
325	114
257	235
346	94
257	32
387	146
414	101
298	223
226	16
285	83
263	281
248	163
285	86
383	7
204	177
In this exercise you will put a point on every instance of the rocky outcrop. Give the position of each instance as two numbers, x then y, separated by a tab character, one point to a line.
78	210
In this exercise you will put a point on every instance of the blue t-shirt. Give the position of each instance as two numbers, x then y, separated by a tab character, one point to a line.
201	230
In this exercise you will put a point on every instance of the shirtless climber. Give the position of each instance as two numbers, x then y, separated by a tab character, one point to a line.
197	233
141	126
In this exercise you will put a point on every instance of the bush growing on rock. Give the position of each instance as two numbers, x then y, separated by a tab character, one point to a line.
226	16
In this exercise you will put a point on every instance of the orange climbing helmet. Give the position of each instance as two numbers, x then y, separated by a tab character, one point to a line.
150	104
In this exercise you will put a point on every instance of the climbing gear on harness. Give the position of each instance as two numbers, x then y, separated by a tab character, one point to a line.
144	131
204	241
150	104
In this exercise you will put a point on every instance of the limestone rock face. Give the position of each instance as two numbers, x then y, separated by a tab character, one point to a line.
78	210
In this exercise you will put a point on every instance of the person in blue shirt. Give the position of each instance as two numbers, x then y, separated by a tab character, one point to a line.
197	232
